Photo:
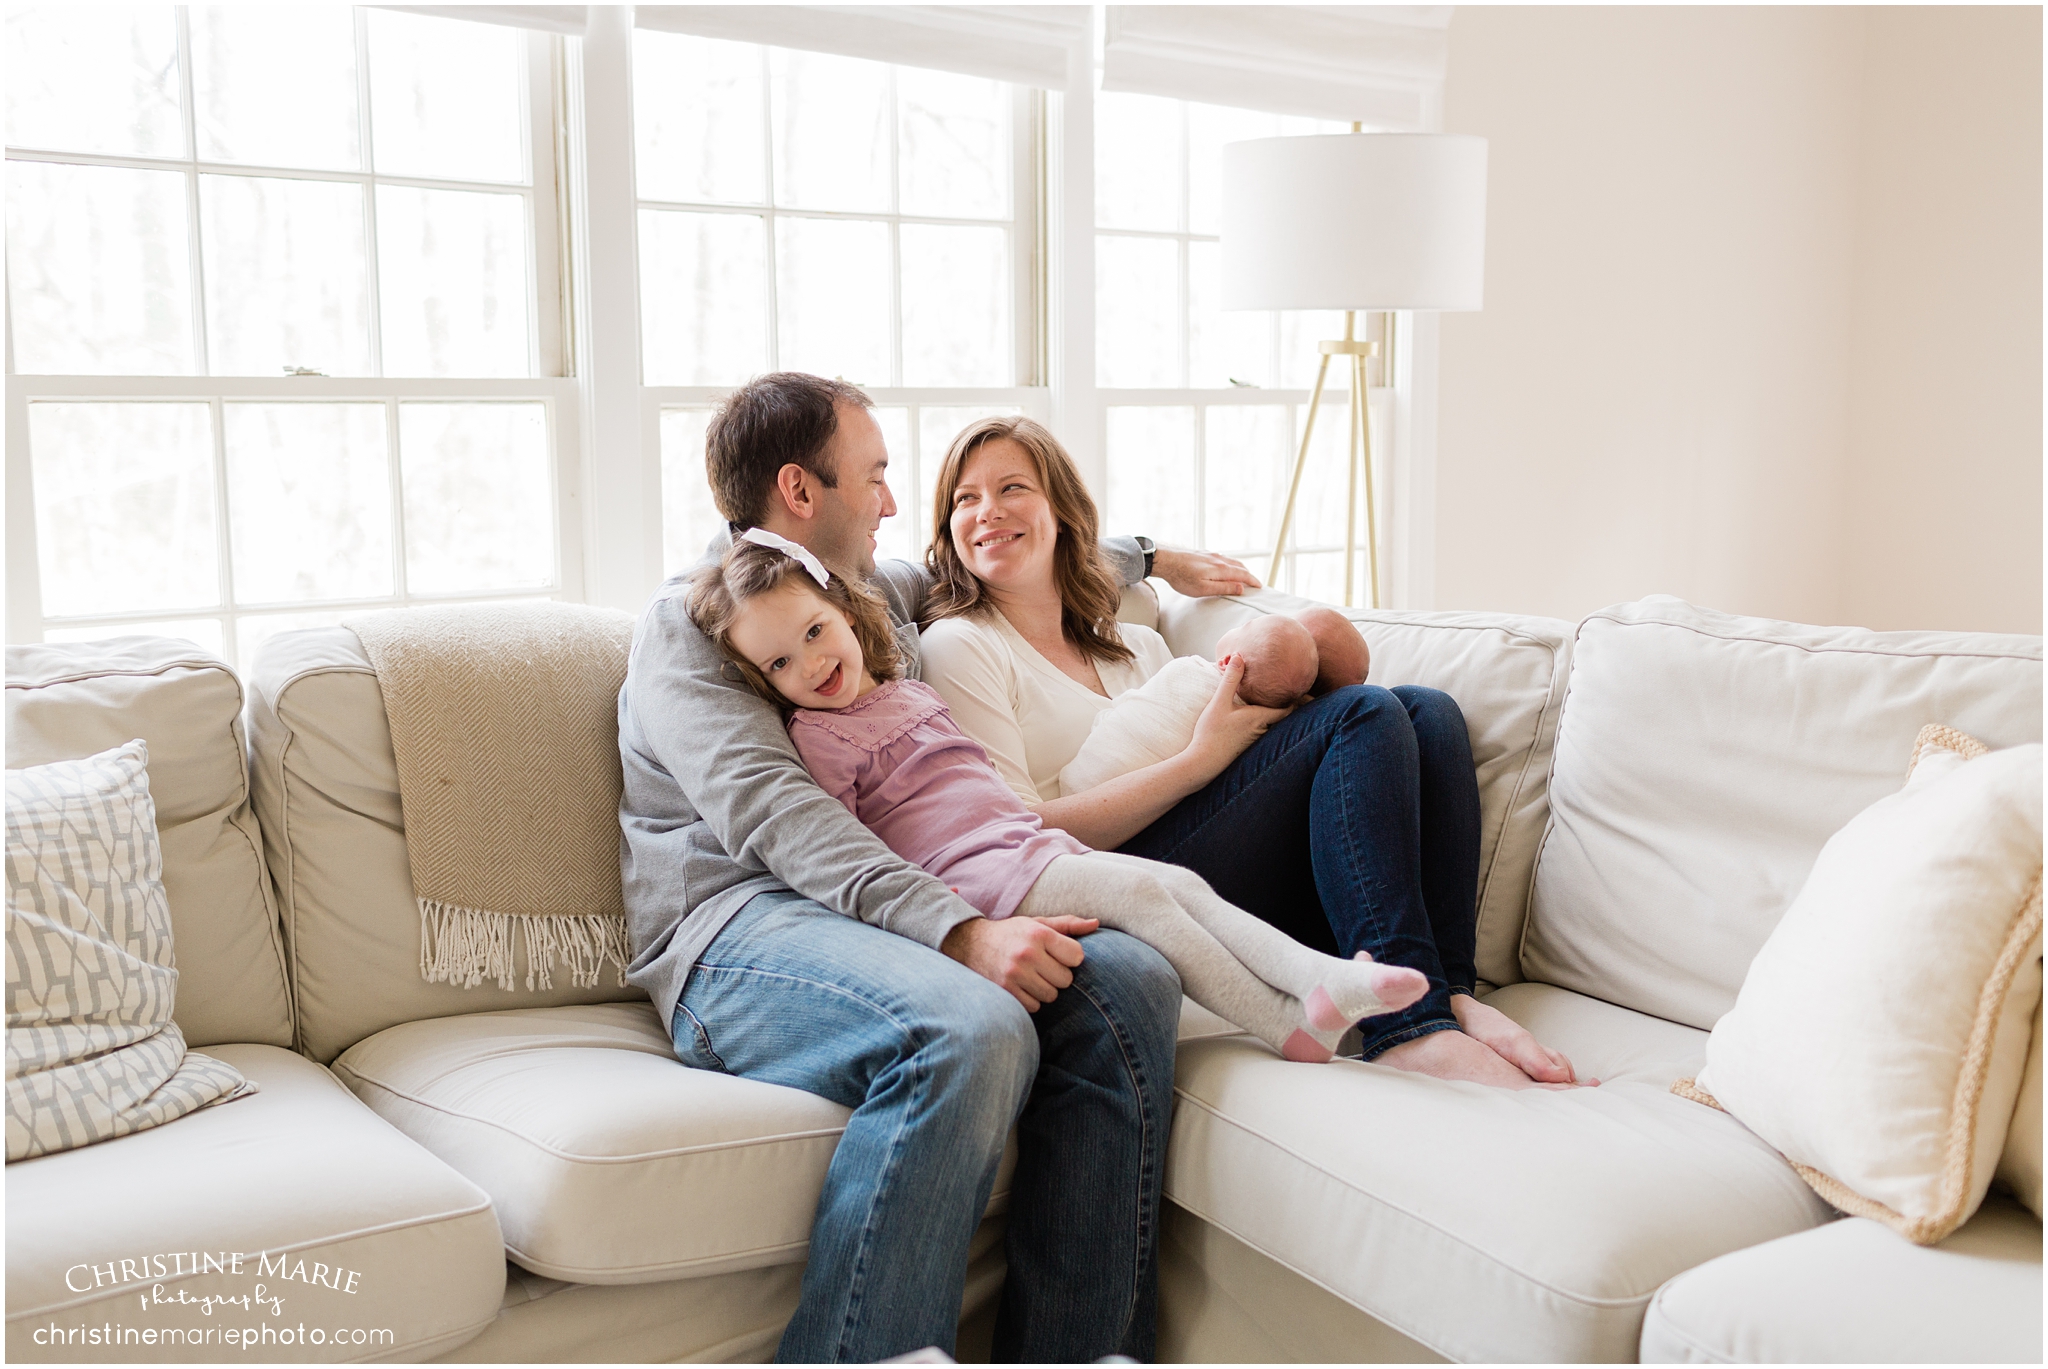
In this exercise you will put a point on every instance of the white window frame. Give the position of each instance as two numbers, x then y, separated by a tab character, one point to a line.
559	396
604	423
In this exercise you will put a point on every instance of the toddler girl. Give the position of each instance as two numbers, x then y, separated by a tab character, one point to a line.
821	648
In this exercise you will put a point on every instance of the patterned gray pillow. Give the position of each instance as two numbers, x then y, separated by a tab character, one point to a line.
92	1052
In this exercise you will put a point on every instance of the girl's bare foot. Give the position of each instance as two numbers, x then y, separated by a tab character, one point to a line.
1454	1055
1511	1040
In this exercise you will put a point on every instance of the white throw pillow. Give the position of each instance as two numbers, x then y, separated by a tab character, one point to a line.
2019	1168
92	1052
1881	1033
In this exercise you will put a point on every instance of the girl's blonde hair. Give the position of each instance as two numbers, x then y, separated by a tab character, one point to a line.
1089	592
719	592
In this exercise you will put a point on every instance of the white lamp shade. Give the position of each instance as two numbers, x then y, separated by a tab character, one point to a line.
1355	221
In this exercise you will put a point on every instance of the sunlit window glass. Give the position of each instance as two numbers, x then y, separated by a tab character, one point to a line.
229	199
877	238
99	270
275	85
124	506
446	98
94	78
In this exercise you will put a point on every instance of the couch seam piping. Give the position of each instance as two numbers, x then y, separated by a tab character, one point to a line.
1680	1334
563	1155
1801	646
660	1266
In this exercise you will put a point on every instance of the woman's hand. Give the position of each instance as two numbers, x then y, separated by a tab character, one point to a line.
1228	725
1034	958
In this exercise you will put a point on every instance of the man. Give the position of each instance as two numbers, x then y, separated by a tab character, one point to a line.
782	941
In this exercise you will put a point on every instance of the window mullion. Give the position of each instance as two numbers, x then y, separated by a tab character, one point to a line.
772	254
223	541
202	359
366	159
394	462
895	235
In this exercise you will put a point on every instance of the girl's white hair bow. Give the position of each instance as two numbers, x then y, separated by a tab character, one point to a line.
796	551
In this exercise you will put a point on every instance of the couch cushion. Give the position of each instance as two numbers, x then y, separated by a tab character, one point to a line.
1507	673
301	1181
65	701
609	1160
1486	1224
1703	760
326	786
1854	1291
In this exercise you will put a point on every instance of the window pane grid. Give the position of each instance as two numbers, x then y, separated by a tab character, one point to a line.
801	212
303	499
268	535
198	170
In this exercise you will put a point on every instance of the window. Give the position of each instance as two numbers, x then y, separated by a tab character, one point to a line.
1202	408
803	211
282	293
317	309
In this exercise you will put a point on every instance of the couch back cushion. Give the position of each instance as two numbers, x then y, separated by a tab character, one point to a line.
1507	674
326	787
70	700
1704	759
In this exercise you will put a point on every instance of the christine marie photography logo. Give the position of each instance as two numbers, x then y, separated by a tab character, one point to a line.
147	1274
247	1288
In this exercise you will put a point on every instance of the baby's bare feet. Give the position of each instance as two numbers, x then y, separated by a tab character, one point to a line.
1454	1055
1511	1040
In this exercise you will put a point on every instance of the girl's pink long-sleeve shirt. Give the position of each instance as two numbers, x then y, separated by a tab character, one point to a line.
898	762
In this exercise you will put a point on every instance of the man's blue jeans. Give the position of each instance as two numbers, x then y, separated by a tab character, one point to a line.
1352	825
936	1063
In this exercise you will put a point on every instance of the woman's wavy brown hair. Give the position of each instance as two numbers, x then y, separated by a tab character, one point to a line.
1089	592
718	592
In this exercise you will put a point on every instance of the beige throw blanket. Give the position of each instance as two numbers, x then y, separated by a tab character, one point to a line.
504	719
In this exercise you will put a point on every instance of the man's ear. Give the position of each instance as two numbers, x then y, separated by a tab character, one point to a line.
793	488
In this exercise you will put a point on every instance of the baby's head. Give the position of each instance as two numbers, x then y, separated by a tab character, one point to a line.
795	642
1341	655
1279	659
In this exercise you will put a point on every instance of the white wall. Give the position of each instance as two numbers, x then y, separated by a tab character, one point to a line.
1663	393
1944	459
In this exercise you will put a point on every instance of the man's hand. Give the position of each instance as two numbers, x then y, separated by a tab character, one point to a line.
1034	958
1201	574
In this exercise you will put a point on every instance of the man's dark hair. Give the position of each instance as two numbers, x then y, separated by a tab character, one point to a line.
770	422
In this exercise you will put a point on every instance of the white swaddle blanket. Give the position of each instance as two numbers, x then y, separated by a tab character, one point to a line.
1144	726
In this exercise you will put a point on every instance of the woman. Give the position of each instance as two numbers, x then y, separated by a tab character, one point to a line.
1351	822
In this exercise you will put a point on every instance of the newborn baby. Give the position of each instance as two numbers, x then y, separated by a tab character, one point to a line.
1285	658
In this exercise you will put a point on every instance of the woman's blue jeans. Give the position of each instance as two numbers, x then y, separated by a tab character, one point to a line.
937	1063
1352	825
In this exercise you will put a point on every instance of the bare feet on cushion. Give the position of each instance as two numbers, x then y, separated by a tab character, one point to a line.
1454	1055
1511	1040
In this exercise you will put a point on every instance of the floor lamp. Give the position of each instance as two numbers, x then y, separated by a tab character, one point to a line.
1360	222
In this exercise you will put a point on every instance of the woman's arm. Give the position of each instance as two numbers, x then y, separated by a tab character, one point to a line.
1113	812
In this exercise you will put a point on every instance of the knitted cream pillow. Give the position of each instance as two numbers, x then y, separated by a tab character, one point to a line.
1881	1033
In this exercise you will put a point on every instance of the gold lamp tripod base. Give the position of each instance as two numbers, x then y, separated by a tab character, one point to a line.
1358	353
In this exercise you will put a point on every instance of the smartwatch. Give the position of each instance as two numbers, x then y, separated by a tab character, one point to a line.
1151	550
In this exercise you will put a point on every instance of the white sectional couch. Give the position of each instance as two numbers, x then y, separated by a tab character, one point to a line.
532	1176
